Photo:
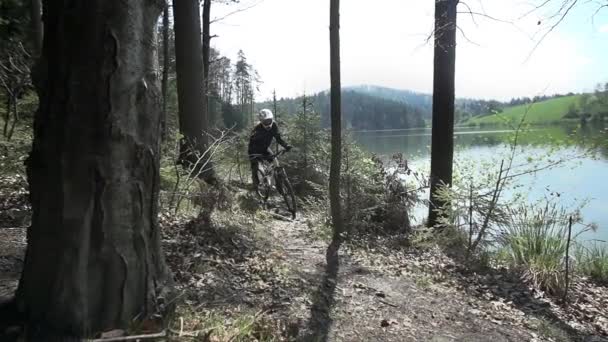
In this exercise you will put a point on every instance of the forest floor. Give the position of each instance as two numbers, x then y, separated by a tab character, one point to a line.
257	277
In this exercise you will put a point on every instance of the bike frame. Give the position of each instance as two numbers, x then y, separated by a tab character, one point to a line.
268	168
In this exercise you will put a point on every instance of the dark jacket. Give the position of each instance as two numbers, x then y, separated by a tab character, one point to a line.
261	138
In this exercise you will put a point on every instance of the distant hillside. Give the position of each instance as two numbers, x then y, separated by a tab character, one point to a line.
369	107
465	107
360	111
547	111
420	101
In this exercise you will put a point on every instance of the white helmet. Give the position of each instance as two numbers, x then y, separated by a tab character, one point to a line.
266	118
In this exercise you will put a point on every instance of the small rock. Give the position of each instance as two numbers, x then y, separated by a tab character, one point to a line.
475	312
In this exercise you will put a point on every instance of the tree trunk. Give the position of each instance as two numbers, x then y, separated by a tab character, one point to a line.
93	260
36	25
442	146
193	120
7	114
336	120
15	110
206	54
276	116
166	65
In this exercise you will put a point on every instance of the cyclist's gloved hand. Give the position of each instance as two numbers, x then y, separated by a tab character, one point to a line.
288	148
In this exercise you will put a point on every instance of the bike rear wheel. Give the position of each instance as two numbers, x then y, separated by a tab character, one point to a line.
286	190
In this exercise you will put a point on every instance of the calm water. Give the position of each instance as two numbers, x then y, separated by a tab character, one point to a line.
581	178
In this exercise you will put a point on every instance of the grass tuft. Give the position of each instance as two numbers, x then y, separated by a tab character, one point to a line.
593	261
534	242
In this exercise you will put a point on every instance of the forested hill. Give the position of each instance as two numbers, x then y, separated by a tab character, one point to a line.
375	107
360	111
421	101
465	107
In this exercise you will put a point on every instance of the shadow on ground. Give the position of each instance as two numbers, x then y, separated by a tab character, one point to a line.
320	321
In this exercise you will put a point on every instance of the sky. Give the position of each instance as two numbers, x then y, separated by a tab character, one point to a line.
385	44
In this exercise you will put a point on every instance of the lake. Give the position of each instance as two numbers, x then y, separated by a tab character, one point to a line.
579	176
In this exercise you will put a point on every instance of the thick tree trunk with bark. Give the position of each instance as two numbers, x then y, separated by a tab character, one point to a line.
193	120
93	260
36	25
442	146
166	64
206	54
336	119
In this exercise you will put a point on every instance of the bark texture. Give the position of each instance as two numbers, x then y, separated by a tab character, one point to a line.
336	119
166	66
93	260
442	145
206	56
193	121
36	25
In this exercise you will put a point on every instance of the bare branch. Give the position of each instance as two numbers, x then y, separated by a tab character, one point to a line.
161	334
536	8
470	11
562	17
243	9
487	16
597	11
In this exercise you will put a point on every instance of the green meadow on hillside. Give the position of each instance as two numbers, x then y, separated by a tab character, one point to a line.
548	111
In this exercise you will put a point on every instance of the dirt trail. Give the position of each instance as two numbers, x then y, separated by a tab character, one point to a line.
350	301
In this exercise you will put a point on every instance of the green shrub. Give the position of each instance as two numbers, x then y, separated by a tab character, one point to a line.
592	261
534	242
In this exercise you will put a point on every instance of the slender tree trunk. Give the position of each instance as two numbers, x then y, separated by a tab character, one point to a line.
336	119
206	47
15	110
276	116
166	65
36	25
305	131
93	260
442	147
7	114
193	120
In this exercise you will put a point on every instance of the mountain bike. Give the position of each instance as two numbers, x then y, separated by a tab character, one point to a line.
272	175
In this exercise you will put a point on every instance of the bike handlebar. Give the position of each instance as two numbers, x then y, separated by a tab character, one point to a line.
271	156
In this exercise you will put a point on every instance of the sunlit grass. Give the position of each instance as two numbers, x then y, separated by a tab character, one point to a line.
541	112
534	242
592	261
198	324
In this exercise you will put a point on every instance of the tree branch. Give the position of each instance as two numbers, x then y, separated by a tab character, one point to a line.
563	16
243	9
470	11
486	16
161	334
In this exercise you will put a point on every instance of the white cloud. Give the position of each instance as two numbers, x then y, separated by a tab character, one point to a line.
384	44
603	28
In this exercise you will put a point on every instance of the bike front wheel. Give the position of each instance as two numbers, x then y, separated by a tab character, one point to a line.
263	189
286	190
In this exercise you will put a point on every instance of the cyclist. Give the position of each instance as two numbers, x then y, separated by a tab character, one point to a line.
260	140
